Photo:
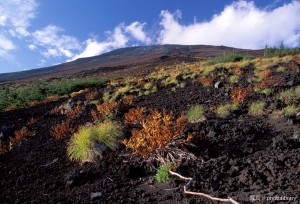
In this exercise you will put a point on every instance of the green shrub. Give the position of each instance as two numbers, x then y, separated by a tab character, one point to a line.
231	57
195	112
287	111
24	96
162	174
80	147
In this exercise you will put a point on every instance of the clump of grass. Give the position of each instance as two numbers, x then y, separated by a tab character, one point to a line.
162	174
148	85
266	91
257	108
80	148
280	69
195	113
224	110
233	79
290	96
287	111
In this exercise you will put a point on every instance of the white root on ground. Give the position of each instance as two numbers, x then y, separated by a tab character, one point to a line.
185	190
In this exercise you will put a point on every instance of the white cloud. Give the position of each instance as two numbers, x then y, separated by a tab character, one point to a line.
117	39
54	44
5	46
15	16
240	24
136	30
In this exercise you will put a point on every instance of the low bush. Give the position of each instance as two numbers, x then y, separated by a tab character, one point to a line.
61	130
157	131
238	94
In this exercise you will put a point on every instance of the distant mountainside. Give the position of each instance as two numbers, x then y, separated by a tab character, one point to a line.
131	56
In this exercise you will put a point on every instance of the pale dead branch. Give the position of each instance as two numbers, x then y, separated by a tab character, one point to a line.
185	190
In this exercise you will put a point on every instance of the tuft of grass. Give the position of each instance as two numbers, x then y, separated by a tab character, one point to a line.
257	108
266	91
224	110
287	111
195	112
233	79
162	174
280	69
80	148
108	133
148	86
290	96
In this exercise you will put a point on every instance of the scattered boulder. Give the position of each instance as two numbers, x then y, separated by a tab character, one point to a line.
95	195
218	84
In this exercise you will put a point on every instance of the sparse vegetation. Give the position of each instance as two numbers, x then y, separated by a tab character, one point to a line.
287	111
290	96
24	96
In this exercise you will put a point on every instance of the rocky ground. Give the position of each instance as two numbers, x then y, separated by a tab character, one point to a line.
238	156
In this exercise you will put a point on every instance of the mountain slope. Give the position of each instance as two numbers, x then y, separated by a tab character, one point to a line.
124	56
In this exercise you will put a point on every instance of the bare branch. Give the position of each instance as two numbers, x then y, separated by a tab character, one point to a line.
189	179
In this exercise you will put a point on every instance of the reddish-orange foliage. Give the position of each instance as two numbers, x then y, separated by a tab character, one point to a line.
237	70
20	134
107	107
31	121
267	83
128	100
55	111
2	147
158	130
96	116
238	94
74	113
60	130
206	81
134	115
91	95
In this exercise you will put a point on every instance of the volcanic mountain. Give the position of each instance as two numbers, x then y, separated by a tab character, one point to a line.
127	58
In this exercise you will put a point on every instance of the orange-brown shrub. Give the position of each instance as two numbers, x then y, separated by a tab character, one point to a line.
134	115
31	121
107	107
95	115
91	95
238	94
237	70
205	81
267	83
74	113
128	100
20	134
60	130
158	130
54	111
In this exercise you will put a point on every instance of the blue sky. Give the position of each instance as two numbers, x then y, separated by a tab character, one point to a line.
40	33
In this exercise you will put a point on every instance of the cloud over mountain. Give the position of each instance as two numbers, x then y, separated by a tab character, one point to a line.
240	24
